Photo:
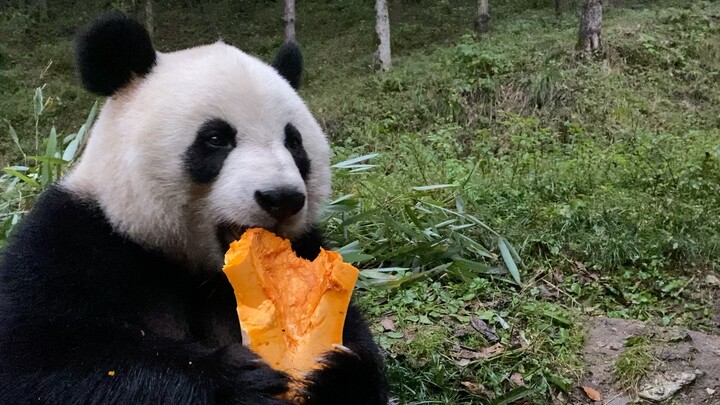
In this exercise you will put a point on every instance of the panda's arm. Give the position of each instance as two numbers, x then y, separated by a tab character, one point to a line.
126	375
355	378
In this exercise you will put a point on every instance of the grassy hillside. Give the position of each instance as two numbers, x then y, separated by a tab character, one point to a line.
602	172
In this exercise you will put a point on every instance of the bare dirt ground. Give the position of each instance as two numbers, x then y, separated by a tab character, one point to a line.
680	357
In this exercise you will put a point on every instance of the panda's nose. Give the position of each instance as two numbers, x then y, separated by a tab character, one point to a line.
280	203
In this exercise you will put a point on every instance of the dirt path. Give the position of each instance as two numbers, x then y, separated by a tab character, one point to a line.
680	358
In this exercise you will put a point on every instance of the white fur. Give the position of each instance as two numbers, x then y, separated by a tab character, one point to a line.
133	163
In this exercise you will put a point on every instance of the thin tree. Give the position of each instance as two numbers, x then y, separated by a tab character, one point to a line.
590	25
42	5
149	17
559	6
289	20
482	19
382	28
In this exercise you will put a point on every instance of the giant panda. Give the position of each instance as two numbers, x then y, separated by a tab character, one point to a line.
111	289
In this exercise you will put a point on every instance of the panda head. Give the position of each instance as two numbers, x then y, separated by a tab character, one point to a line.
193	147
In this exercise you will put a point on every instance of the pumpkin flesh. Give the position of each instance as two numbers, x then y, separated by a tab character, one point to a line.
291	310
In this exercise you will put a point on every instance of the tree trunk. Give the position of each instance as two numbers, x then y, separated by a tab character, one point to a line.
42	5
482	19
590	25
560	6
382	28
149	18
289	20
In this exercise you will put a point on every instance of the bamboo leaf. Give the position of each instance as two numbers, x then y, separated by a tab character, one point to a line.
434	187
72	149
350	163
508	259
14	137
39	102
22	177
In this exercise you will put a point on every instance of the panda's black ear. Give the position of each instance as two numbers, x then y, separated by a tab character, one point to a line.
289	63
111	51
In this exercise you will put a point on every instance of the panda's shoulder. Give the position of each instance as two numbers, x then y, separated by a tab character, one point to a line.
66	244
62	224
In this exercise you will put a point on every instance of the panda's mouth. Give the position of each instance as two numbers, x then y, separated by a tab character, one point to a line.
226	234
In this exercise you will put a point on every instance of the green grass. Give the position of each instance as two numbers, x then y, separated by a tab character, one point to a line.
634	362
602	172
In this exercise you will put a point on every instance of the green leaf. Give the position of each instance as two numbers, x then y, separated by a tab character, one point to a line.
507	258
359	217
22	177
353	163
398	282
514	253
71	151
466	270
434	187
353	253
14	136
39	102
46	171
476	247
513	396
48	159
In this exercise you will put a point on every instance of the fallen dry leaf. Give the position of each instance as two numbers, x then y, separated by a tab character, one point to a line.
592	393
482	327
465	354
476	388
388	324
492	351
484	353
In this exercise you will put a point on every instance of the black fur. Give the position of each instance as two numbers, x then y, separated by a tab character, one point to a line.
113	50
289	63
293	143
308	245
89	317
213	143
340	376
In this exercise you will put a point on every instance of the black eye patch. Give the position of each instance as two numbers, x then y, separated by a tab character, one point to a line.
205	157
293	143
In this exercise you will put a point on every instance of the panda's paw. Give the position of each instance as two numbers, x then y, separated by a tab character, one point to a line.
244	378
350	375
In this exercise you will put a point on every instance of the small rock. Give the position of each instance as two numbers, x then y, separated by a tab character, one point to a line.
712	280
614	347
710	391
388	324
679	336
663	387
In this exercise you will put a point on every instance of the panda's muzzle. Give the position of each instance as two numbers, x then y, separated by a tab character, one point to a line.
280	203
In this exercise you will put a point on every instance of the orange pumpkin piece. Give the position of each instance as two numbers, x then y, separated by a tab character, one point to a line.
291	310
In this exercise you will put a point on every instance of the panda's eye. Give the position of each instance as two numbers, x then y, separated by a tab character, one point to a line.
217	142
293	140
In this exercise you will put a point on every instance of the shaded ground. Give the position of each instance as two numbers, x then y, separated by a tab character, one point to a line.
675	351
